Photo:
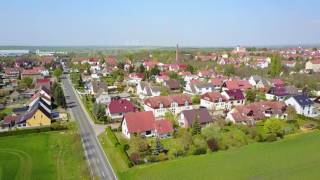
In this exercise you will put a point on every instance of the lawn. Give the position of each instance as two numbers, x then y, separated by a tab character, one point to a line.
295	157
50	155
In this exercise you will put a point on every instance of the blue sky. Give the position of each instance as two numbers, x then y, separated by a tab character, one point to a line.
161	22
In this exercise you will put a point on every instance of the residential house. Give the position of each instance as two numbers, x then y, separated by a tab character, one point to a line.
313	65
162	78
289	64
243	85
149	64
135	78
39	114
161	104
278	93
119	107
214	101
250	113
32	73
303	105
11	73
257	82
144	124
172	85
45	82
196	87
145	90
188	117
103	98
235	97
96	87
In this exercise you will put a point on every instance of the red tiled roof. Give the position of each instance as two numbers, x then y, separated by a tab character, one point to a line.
163	126
136	75
138	122
155	102
213	96
238	84
121	106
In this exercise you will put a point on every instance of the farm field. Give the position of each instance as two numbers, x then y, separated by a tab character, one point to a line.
295	157
50	155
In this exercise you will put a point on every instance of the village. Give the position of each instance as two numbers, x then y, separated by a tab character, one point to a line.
156	110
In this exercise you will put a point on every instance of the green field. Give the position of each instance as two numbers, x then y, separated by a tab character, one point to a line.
295	157
52	155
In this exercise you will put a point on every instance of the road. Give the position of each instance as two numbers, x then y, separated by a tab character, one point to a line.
98	163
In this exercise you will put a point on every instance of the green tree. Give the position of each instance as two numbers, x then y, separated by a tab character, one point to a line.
99	111
229	70
26	82
171	117
58	96
190	68
196	99
155	71
158	147
250	95
142	69
140	145
131	69
196	128
274	126
275	65
57	73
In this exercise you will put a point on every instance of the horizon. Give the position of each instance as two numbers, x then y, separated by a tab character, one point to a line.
203	24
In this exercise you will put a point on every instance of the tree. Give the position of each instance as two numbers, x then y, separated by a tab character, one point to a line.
155	71
141	68
196	99
58	96
196	128
274	126
213	144
190	68
26	82
57	73
199	145
250	95
131	69
120	65
164	91
99	111
184	138
158	147
140	145
229	70
275	65
292	113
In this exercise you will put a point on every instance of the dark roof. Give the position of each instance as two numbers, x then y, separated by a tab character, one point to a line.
20	109
173	84
235	94
202	114
303	100
37	106
317	100
46	90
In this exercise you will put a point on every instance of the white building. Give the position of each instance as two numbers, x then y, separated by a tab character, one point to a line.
303	105
162	104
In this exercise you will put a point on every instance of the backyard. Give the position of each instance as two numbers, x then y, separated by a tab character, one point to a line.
47	155
295	157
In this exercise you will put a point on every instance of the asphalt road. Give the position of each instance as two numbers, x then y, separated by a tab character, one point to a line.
99	165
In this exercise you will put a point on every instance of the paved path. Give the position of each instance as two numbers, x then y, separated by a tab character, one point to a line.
99	165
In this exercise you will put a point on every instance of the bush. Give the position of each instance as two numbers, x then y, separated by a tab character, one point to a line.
271	138
198	150
199	145
213	145
135	158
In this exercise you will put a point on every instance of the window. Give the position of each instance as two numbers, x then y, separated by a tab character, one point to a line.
34	117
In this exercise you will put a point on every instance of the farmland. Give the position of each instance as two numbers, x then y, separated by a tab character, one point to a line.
52	155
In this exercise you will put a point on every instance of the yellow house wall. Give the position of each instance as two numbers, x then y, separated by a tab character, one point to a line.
38	119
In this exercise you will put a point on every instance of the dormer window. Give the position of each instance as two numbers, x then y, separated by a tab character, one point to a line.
161	105
186	103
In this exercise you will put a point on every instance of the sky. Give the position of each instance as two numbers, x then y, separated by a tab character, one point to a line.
203	23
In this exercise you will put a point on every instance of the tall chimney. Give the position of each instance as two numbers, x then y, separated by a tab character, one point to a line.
177	54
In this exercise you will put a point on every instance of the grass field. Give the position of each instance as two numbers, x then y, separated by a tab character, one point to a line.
51	155
295	157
